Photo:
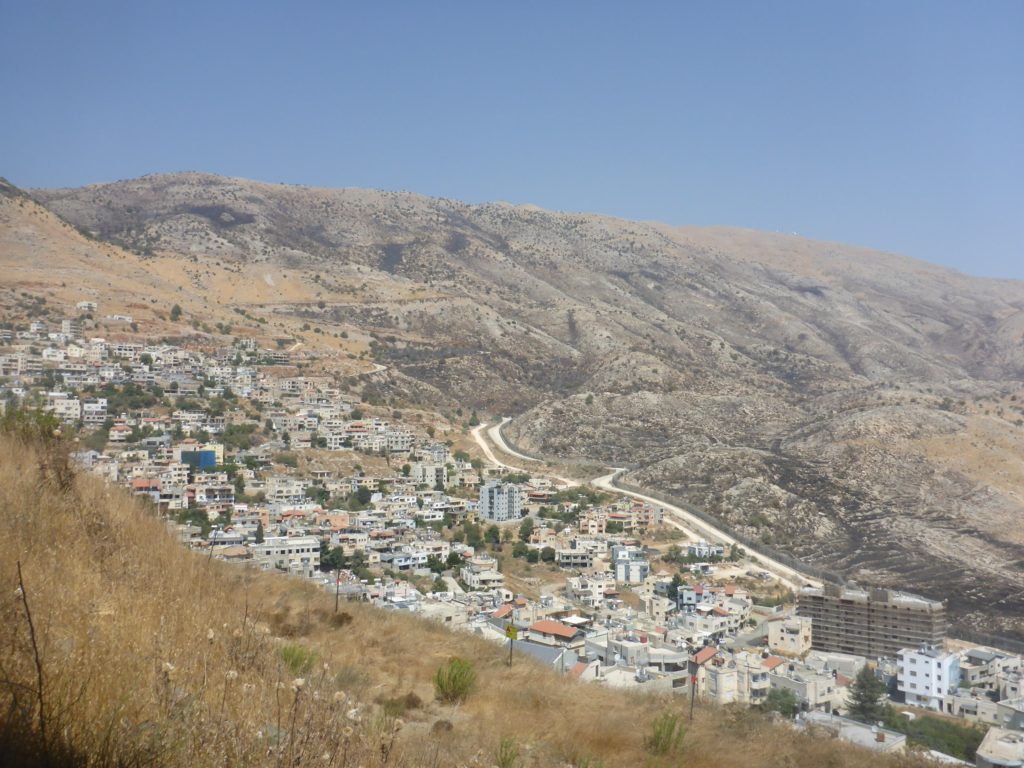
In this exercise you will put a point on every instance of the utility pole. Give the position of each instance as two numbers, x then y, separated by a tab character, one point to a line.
337	589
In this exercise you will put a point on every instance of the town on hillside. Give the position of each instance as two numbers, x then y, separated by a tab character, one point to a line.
256	460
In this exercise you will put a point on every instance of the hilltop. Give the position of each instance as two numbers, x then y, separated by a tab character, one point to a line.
858	409
121	647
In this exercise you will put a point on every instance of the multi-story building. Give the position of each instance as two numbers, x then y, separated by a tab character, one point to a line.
94	411
500	502
926	675
790	636
631	567
71	328
298	555
871	622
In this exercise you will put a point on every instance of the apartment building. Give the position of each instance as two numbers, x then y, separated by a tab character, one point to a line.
871	622
501	502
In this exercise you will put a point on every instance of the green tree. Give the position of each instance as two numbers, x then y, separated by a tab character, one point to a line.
331	558
866	697
526	529
493	535
259	532
454	560
781	700
532	556
673	588
364	494
406	469
435	564
520	550
547	555
175	313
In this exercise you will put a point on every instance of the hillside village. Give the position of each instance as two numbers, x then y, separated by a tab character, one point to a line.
255	459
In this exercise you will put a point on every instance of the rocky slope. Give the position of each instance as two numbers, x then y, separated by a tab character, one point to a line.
860	409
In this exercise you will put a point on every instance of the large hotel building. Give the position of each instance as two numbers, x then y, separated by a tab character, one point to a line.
870	622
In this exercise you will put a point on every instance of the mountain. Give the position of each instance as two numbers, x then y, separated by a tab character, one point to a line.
860	410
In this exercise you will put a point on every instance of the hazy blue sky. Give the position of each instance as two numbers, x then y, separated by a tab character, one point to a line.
898	125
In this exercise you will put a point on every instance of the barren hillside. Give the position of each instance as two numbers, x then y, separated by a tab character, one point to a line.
859	409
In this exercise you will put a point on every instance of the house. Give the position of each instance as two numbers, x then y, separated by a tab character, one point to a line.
704	550
789	636
551	632
814	690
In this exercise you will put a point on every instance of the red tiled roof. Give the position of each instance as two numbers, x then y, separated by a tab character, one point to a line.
578	669
502	612
772	662
704	654
556	628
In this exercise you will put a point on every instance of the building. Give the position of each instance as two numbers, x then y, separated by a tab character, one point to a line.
1000	749
704	550
630	565
299	555
790	636
500	502
71	328
863	735
871	622
926	675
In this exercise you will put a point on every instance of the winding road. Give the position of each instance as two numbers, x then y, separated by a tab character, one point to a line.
693	526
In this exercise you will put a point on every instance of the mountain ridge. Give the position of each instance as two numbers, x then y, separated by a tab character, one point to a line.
857	408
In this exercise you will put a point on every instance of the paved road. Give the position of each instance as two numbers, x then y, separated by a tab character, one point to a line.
688	523
699	529
494	433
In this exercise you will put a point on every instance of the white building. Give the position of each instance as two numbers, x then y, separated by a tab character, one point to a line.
631	567
501	502
926	675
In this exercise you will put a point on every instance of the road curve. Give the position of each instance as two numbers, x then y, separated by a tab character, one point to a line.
693	526
701	529
475	432
499	440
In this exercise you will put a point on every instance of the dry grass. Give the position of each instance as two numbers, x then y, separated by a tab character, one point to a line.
151	655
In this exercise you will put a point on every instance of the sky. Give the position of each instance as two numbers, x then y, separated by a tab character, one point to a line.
893	124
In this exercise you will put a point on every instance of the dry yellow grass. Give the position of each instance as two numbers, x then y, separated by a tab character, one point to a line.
150	654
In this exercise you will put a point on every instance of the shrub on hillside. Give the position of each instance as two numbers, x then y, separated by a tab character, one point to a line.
455	680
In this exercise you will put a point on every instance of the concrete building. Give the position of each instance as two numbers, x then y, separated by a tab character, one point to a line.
1000	749
299	555
867	736
790	636
631	567
927	675
500	502
872	622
